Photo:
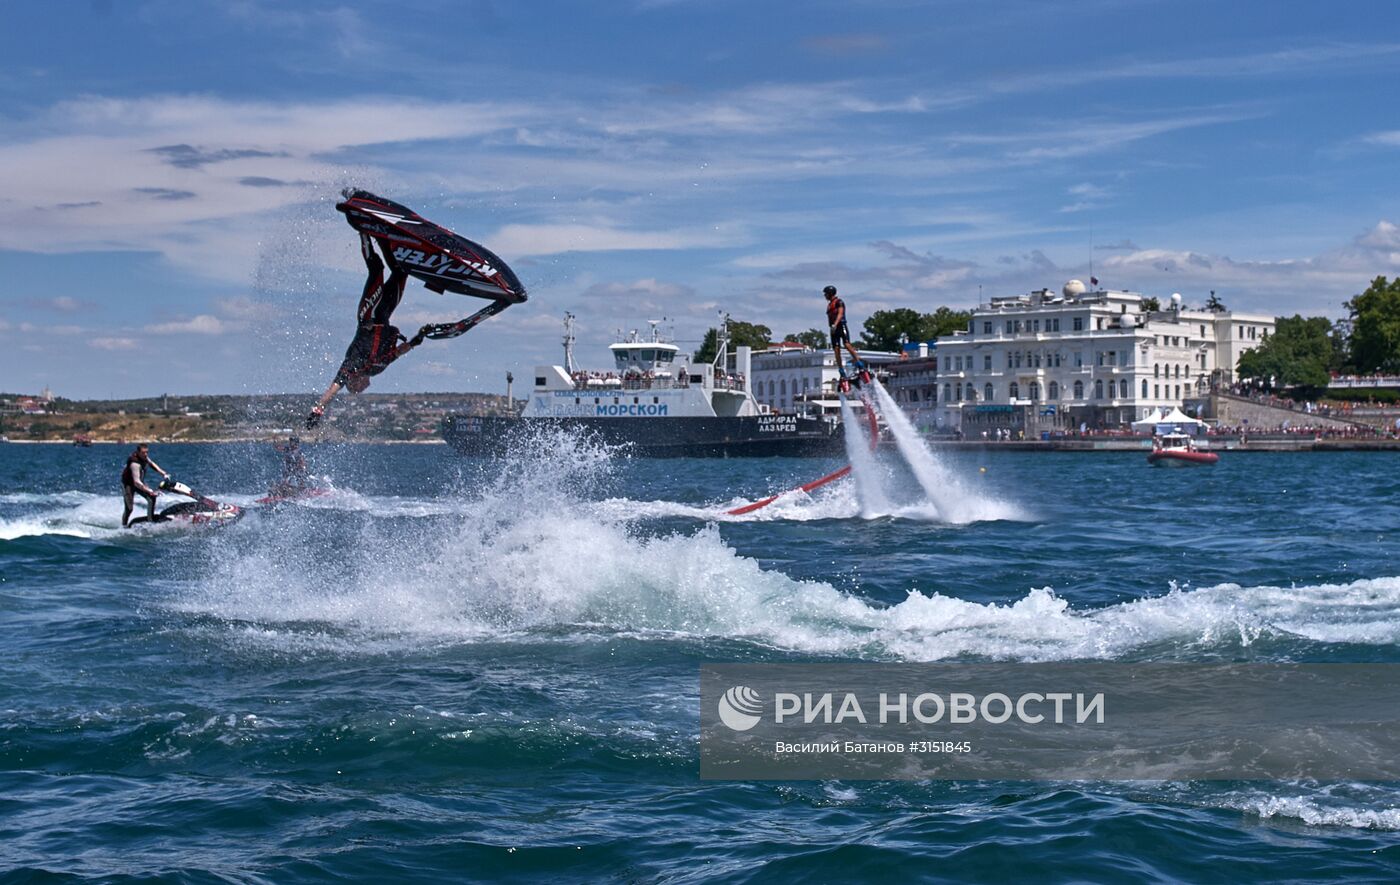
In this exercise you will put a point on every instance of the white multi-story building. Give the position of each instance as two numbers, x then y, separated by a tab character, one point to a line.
784	372
913	382
1057	361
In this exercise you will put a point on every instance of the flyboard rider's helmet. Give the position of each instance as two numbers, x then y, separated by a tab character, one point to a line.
829	291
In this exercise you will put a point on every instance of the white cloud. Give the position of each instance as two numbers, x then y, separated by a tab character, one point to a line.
1384	139
550	239
114	343
436	369
1384	236
204	324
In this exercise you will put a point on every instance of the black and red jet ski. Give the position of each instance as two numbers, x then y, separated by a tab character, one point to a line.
199	511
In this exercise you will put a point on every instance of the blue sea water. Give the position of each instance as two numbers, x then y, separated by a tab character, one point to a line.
456	669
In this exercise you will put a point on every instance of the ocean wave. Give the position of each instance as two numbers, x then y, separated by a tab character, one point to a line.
14	529
539	559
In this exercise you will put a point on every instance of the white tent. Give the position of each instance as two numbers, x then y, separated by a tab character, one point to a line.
1150	422
1176	416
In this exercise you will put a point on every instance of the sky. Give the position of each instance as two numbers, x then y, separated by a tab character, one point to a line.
169	169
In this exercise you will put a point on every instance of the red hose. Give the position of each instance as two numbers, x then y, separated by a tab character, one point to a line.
816	483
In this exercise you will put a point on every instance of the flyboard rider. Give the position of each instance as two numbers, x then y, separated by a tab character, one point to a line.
841	335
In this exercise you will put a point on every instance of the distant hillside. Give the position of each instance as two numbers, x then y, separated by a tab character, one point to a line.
368	417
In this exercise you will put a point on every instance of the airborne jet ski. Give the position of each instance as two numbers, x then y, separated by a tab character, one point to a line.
200	511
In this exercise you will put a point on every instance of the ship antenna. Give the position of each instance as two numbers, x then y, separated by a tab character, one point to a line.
722	349
569	343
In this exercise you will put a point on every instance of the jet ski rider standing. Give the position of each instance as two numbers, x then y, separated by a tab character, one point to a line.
134	482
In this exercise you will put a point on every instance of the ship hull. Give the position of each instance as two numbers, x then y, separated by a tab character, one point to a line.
763	436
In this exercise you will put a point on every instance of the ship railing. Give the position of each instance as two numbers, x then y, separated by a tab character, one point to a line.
612	381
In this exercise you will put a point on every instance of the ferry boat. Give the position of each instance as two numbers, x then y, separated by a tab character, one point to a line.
653	403
1178	450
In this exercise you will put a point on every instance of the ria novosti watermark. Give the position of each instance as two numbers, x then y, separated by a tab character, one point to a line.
1051	721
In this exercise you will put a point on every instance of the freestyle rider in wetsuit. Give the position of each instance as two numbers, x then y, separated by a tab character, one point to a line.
294	474
376	343
841	335
134	483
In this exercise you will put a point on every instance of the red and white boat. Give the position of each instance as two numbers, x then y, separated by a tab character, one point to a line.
1178	450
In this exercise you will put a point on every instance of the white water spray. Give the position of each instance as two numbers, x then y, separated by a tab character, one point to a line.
869	490
954	501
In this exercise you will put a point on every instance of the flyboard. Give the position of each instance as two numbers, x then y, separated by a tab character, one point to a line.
817	483
443	260
201	511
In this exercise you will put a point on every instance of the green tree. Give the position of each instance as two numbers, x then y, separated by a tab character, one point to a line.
1299	355
741	334
1150	305
1375	329
1214	304
883	328
811	338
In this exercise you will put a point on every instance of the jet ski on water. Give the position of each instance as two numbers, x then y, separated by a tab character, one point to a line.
199	511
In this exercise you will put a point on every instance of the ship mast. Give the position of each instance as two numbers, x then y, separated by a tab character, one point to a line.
569	343
722	344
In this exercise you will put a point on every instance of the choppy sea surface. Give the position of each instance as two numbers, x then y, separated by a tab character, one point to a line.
455	669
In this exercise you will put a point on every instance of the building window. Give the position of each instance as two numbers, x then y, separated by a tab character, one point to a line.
1156	370
782	387
1123	389
1079	390
1015	391
1008	327
1054	390
1055	324
1079	324
947	393
1203	332
947	364
1037	325
1079	359
913	394
1018	359
1035	391
988	393
987	362
1178	391
1098	389
1144	388
1098	323
1008	359
1156	391
987	328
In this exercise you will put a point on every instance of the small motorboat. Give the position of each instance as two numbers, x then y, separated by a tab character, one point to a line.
1178	450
